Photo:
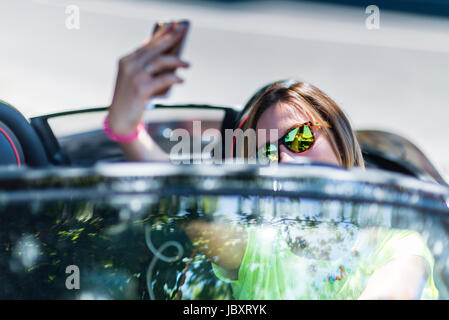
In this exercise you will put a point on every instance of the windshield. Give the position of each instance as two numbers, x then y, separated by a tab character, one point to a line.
176	233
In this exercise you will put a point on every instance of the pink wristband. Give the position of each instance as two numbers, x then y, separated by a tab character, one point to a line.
118	138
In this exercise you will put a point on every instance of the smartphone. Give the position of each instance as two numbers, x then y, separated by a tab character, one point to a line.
175	50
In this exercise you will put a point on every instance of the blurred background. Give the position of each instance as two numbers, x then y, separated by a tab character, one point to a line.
394	78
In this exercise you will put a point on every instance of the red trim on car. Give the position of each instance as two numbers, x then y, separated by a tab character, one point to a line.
12	145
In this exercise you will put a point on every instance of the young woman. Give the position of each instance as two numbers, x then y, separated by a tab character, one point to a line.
258	262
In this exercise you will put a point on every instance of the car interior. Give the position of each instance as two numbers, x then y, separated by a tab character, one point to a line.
50	140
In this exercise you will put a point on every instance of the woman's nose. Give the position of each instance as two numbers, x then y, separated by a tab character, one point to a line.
284	156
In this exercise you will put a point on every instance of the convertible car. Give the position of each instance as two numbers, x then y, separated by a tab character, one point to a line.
79	222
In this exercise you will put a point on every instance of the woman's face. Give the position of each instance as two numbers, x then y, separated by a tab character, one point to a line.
283	117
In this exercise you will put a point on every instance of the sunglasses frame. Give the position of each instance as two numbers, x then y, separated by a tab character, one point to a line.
281	140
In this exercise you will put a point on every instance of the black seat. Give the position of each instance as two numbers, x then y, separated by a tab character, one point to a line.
19	143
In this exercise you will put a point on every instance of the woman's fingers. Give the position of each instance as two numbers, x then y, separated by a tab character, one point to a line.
163	63
144	87
155	86
161	45
170	38
161	42
161	32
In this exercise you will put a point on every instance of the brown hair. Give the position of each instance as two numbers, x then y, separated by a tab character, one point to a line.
320	107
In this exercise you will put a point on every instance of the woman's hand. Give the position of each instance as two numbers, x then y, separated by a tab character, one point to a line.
141	76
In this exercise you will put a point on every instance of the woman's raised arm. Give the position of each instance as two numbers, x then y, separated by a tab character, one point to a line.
143	75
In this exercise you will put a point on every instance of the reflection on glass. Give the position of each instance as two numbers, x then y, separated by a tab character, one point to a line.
217	247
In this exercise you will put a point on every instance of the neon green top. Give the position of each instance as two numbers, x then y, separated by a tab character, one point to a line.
270	270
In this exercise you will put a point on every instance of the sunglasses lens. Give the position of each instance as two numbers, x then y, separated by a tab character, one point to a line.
271	153
299	139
